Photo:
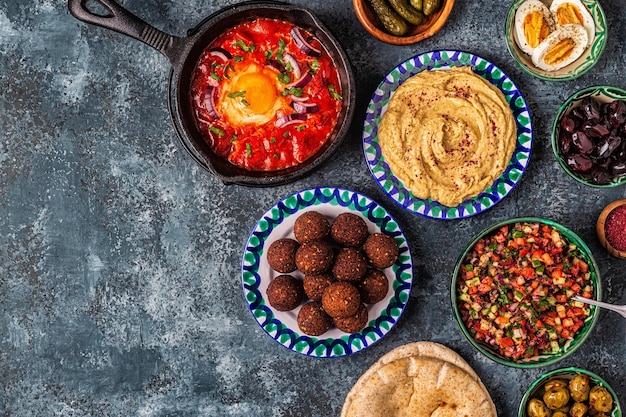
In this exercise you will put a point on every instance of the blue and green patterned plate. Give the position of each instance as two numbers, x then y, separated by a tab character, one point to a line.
277	223
394	188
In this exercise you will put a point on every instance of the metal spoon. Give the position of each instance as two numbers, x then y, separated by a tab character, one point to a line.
618	309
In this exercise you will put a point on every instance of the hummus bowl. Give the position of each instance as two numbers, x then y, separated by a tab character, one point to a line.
282	326
394	187
511	292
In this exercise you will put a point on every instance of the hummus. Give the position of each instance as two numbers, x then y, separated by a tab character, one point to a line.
447	134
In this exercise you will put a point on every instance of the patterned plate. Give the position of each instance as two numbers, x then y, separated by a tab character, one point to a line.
277	223
394	188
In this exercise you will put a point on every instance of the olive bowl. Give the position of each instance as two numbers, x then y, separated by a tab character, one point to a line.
580	66
602	94
567	347
372	24
536	390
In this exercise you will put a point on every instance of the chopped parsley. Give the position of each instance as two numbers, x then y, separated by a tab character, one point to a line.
248	150
217	130
284	78
242	45
281	49
235	94
334	94
295	91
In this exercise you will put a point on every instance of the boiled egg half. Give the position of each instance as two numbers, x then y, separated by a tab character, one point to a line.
562	47
533	24
251	96
573	12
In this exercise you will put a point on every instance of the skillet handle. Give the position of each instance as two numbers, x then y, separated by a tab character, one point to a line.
126	23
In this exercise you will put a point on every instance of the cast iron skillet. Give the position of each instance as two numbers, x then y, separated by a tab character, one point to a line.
183	54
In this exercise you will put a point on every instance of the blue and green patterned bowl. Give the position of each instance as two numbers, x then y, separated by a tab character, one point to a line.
574	70
566	374
394	188
603	94
571	345
277	223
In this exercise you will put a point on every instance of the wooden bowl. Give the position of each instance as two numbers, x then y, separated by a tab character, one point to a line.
371	23
600	228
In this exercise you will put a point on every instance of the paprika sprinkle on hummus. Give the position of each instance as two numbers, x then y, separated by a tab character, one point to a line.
447	134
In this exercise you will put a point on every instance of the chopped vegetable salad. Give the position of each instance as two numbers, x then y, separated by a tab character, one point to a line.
515	287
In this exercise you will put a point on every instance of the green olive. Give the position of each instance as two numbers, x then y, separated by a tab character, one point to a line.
600	399
579	388
431	6
556	397
392	21
418	4
536	408
408	12
578	410
554	383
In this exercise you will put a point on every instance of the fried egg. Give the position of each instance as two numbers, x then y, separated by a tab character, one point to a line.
562	47
251	96
533	24
573	12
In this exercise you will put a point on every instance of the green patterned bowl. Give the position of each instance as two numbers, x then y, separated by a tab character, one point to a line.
601	93
282	326
574	70
467	320
394	188
535	390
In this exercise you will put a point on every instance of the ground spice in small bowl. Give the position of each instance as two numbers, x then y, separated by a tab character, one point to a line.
615	228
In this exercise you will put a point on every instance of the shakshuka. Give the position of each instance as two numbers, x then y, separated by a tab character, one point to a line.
266	95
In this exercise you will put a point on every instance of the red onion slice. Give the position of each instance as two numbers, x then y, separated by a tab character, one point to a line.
301	107
301	98
277	65
209	103
301	82
220	53
294	65
302	43
290	119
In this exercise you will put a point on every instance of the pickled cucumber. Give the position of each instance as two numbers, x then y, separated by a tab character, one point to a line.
408	12
392	21
418	4
430	6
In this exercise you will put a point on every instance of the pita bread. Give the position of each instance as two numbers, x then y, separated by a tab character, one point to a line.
419	379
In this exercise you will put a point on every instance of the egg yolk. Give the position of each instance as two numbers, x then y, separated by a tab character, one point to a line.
569	13
260	93
559	52
536	29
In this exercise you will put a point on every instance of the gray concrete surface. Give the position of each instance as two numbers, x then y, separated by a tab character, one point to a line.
120	287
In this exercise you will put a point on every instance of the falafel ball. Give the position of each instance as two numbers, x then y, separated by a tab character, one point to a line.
354	323
374	286
285	292
381	250
314	257
341	299
281	255
349	230
311	225
314	285
313	320
350	265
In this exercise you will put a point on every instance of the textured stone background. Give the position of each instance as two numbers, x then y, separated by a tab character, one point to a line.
120	258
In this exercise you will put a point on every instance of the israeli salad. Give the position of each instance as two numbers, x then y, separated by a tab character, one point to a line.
514	290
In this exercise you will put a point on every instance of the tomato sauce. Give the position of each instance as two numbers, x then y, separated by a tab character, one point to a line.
266	95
